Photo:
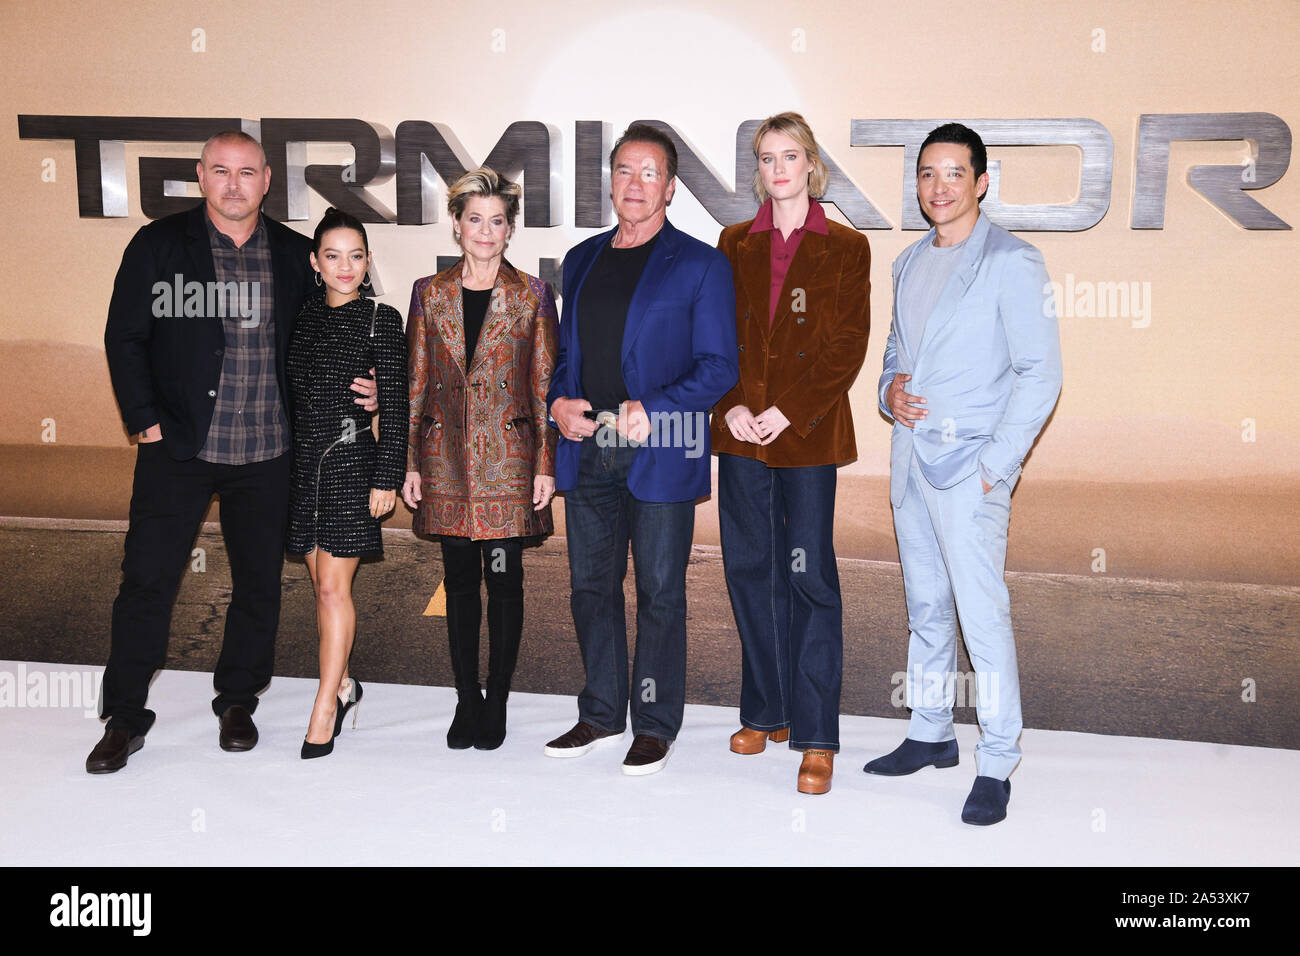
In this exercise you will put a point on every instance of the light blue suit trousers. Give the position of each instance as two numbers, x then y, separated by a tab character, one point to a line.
952	544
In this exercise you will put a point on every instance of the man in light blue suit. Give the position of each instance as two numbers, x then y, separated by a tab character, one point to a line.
972	372
647	346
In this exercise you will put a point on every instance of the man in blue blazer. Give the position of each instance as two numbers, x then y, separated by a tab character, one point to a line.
972	371
647	345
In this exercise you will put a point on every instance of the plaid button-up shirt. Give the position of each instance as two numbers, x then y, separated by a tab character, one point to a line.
248	422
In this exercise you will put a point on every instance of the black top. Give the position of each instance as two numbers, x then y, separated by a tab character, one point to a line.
602	304
474	303
336	459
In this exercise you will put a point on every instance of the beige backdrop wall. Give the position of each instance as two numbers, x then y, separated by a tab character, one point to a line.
1149	456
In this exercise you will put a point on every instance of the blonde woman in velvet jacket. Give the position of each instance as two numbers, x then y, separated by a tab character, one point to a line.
802	315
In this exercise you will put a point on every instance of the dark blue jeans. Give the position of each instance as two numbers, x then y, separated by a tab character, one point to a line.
777	527
601	517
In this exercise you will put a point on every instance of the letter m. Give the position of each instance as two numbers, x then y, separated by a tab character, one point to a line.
115	909
1115	295
428	153
65	689
223	299
964	693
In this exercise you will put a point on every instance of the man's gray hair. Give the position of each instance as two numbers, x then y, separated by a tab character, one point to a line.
231	137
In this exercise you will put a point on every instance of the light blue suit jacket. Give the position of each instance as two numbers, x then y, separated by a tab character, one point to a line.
679	357
988	364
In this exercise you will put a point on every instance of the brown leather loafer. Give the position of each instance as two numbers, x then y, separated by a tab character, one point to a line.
581	739
646	755
746	741
815	771
238	732
112	751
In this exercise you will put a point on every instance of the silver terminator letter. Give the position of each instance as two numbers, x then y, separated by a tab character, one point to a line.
593	139
165	185
428	152
1267	135
1095	167
730	206
285	142
697	176
101	151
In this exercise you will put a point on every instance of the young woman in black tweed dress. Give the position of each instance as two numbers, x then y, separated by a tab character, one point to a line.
344	481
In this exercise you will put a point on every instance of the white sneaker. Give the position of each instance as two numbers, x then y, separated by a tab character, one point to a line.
582	739
646	755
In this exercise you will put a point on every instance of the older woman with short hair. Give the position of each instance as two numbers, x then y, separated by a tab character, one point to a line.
481	459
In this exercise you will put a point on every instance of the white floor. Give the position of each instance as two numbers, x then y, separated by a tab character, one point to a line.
392	793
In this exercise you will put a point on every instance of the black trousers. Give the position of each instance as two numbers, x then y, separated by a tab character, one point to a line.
168	499
502	565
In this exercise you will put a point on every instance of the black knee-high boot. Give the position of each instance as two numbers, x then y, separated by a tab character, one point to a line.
505	629
464	613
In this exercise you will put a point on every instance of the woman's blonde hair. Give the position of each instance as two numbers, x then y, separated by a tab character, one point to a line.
489	184
797	128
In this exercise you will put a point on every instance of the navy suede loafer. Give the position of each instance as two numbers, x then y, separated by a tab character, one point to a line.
987	802
912	755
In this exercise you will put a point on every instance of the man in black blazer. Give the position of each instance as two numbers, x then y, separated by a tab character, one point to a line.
198	329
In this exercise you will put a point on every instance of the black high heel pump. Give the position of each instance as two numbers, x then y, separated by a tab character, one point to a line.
354	699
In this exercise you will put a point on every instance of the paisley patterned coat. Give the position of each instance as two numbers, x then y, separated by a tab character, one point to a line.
478	438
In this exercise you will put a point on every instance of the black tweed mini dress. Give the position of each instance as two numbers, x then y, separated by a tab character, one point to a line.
336	460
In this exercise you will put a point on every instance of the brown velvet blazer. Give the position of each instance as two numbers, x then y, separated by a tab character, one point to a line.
478	438
805	361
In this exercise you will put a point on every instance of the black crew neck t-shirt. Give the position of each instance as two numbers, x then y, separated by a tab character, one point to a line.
602	316
474	304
